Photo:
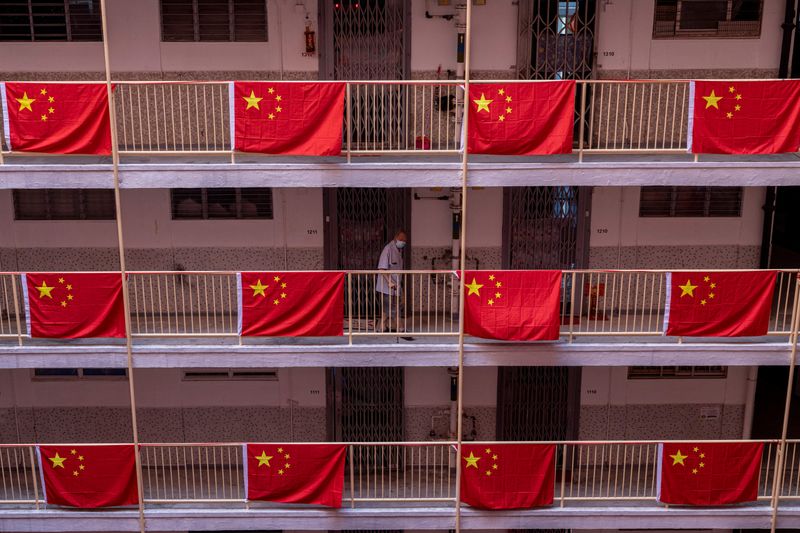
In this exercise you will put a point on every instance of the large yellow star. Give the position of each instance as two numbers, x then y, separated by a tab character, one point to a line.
252	100
687	289
483	103
472	460
474	287
58	461
258	288
44	290
712	100
25	102
263	459
678	458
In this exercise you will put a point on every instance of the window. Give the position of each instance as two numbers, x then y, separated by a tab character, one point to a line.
677	372
47	374
230	374
690	202
214	20
222	203
707	18
64	204
50	20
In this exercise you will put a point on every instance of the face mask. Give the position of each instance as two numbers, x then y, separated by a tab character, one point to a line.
400	244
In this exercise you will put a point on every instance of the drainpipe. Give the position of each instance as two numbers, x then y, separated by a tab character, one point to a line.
749	401
788	27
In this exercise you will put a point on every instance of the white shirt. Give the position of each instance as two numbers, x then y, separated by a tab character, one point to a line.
391	259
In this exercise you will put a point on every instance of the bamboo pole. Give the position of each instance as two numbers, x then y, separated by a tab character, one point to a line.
462	264
121	248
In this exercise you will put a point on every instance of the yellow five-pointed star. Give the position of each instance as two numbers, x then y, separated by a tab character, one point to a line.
25	102
678	458
483	103
258	288
712	100
263	459
44	290
474	287
687	289
252	100
58	461
472	460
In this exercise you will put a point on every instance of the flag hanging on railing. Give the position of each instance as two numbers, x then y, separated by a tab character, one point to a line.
74	305
744	117
507	476
296	473
291	304
512	305
287	118
89	476
719	304
529	118
57	118
708	473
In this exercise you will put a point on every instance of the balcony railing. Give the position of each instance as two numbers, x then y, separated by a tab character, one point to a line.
158	118
393	473
622	303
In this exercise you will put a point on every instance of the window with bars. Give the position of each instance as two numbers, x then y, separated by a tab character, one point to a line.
222	203
214	20
48	374
677	372
690	202
230	374
678	19
50	20
64	204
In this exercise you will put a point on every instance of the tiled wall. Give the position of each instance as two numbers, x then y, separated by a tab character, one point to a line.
673	257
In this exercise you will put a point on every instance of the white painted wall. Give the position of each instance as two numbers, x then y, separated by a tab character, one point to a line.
616	222
611	386
426	387
624	41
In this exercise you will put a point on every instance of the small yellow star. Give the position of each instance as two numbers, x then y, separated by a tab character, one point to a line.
58	461
283	295
501	91
44	290
497	295
694	470
702	455
703	302
287	465
508	99
277	278
286	456
280	472
25	102
711	295
491	302
69	297
258	289
279	98
712	100
263	459
687	289
252	100
278	109
271	116
695	449
508	111
270	90
280	450
51	110
81	467
706	279
498	284
488	472
491	277
678	458
483	103
63	303
474	287
729	114
283	285
737	107
731	89
738	96
501	118
702	465
713	285
51	99
73	452
494	467
276	301
472	460
80	458
494	457
44	118
43	92
69	287
75	473
488	450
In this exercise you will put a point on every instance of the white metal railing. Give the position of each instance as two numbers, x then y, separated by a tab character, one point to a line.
620	303
395	472
401	117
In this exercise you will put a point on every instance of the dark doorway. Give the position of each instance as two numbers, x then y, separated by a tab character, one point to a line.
770	402
366	404
780	246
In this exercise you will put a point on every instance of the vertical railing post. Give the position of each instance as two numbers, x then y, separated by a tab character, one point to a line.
581	117
572	306
777	485
563	471
34	477
352	479
350	307
349	121
15	296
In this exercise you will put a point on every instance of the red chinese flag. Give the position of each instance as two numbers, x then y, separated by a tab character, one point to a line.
296	473
291	304
89	476
707	473
719	304
529	118
507	476
288	118
58	118
745	117
75	305
512	305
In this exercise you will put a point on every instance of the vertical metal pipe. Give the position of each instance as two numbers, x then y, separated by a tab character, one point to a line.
121	248
462	266
349	108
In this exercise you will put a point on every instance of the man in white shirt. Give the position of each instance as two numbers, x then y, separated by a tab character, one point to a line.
388	286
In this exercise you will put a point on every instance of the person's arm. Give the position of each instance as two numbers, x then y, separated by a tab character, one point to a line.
383	264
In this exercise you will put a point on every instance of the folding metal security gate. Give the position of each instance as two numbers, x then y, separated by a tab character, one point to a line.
368	40
366	404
